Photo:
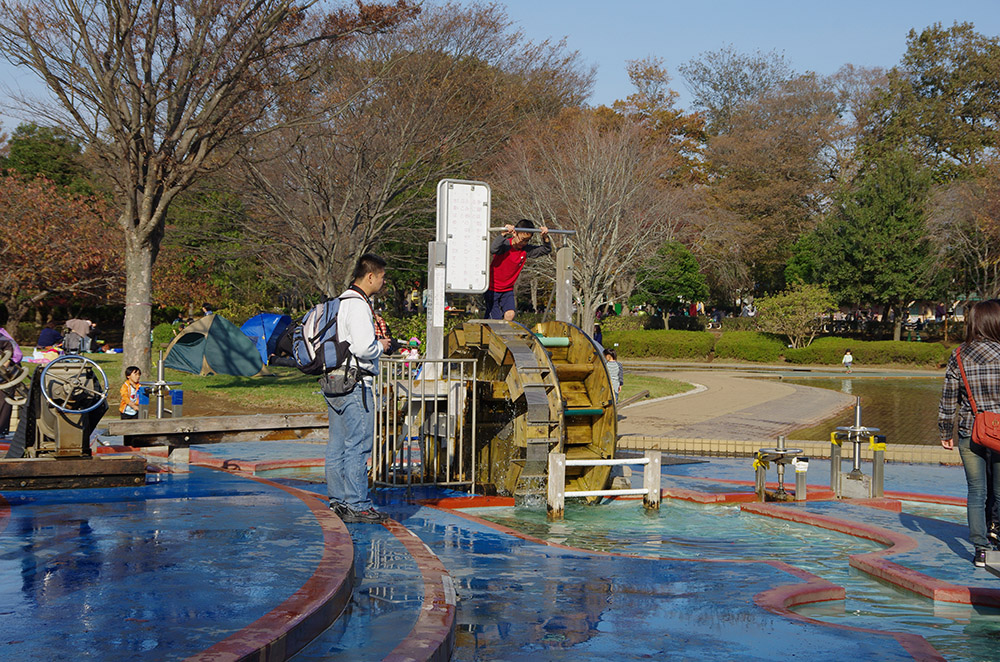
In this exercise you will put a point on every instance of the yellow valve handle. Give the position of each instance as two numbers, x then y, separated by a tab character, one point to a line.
834	440
759	461
880	446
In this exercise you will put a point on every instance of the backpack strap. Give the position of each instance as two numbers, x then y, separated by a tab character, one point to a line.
961	368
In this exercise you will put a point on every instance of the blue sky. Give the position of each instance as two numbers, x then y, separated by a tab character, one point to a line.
813	36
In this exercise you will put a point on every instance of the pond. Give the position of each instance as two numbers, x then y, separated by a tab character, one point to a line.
903	409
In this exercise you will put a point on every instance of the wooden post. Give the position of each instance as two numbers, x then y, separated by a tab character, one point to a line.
557	485
651	480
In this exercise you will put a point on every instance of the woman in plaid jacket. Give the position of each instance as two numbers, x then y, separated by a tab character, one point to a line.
980	355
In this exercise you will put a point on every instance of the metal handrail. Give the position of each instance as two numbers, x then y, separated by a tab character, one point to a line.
557	491
408	418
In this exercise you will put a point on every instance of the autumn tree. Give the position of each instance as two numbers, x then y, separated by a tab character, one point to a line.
723	81
771	173
398	112
53	244
162	93
599	178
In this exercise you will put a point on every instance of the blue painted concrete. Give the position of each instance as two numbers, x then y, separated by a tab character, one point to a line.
387	597
158	572
164	571
520	600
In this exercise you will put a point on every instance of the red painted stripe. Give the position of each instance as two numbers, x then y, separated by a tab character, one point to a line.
875	563
432	637
4	513
287	628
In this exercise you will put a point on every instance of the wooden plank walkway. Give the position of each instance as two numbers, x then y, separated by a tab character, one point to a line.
193	430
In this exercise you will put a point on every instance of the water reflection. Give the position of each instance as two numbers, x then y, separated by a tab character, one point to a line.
905	410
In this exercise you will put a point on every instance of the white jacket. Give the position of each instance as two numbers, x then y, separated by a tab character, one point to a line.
356	327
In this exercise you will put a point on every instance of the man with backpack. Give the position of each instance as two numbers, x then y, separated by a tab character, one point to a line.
348	392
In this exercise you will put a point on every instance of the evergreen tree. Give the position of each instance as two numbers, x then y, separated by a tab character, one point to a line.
873	247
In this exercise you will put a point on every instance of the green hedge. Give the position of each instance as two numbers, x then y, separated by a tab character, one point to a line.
830	351
739	324
623	323
749	346
162	335
661	344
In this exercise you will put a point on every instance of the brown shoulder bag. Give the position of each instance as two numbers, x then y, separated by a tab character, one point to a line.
985	424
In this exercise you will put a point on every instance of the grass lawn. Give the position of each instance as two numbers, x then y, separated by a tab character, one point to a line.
288	391
291	391
658	387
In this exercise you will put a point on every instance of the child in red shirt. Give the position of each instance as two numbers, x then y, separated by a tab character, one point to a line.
510	251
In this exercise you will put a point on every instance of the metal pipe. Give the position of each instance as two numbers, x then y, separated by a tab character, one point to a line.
159	387
533	230
606	463
594	493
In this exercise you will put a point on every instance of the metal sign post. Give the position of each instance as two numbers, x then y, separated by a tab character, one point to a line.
459	260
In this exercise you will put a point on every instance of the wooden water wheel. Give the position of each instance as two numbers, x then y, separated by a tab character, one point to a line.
538	390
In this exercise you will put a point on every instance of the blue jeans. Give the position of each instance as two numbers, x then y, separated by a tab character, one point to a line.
974	459
352	432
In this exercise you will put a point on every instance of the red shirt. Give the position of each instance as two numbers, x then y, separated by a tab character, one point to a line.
508	261
505	268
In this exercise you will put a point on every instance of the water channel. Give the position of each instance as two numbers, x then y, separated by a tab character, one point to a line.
961	633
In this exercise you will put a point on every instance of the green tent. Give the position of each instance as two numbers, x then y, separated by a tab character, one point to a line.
213	345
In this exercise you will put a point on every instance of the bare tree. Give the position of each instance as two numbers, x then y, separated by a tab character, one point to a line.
161	91
964	224
432	99
600	179
724	80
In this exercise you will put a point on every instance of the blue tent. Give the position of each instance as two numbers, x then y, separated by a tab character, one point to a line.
264	330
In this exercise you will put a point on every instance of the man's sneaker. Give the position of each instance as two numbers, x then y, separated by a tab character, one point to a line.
994	533
339	509
371	516
979	560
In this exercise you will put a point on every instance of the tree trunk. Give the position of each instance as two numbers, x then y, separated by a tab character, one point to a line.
897	328
138	303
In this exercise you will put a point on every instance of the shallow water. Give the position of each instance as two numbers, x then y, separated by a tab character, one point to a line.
695	531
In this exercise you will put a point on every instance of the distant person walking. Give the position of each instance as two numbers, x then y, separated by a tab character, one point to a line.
510	251
848	361
615	371
980	360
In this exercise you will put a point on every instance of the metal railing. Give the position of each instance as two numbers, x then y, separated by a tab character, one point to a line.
425	423
557	492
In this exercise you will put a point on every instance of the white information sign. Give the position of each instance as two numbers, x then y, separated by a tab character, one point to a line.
463	222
